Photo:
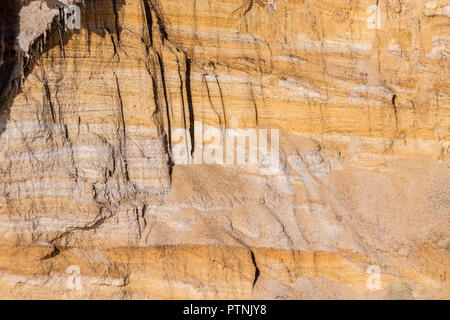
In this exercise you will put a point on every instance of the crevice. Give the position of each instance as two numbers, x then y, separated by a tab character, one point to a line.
257	272
148	16
137	217
394	105
163	81
221	100
116	21
94	225
123	135
140	216
154	5
52	254
48	99
190	104
182	86
245	8
210	100
157	117
112	40
252	94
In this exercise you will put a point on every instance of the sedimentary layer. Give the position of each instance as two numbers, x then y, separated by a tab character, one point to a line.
95	204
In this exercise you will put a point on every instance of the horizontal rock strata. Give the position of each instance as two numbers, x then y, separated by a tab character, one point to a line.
93	200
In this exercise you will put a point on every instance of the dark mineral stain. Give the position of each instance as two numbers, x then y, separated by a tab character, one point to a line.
14	65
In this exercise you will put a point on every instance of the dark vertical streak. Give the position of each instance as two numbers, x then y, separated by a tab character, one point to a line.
394	105
148	15
254	103
163	80
48	99
124	133
255	279
116	20
190	104
221	100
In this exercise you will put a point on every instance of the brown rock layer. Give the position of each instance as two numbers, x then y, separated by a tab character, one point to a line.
93	203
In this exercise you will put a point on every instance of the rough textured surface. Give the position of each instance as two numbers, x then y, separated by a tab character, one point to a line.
88	182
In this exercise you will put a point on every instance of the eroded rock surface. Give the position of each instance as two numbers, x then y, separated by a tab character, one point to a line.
93	203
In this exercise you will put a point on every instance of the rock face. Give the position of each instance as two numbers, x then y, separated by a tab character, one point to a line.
107	183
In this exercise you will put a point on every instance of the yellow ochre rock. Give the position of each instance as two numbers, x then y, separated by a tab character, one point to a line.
224	149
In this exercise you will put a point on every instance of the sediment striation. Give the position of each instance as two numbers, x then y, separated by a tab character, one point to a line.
94	204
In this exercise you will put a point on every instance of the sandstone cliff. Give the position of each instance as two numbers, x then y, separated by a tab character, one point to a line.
94	202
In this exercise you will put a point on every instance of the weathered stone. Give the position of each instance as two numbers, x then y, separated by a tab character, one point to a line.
89	183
